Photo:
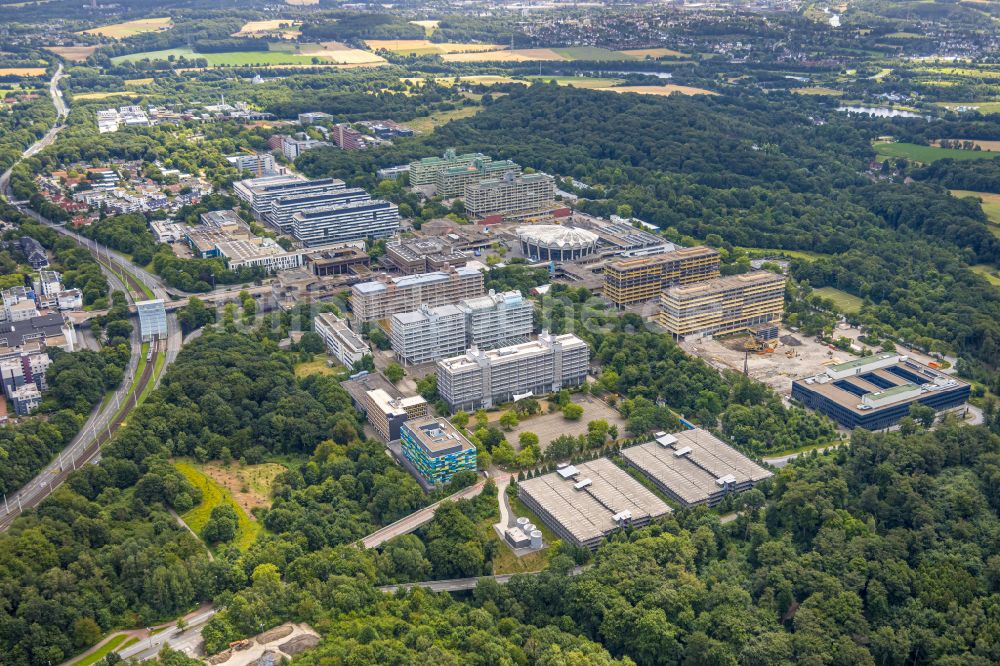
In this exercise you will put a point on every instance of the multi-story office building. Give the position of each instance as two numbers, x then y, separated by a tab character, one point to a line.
451	182
723	305
284	208
387	414
423	255
258	193
152	319
483	379
338	259
380	299
436	449
877	391
496	319
293	146
643	279
346	346
510	196
427	334
26	367
424	172
26	399
334	223
348	138
313	117
259	164
258	252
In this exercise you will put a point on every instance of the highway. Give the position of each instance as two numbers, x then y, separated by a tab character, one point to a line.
417	518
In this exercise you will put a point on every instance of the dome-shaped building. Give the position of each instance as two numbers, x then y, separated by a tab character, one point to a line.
555	242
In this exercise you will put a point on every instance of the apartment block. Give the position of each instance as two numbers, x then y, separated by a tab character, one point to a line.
723	305
451	182
428	334
483	379
21	368
380	299
348	138
510	196
644	278
436	449
344	344
424	172
334	223
388	414
496	319
259	164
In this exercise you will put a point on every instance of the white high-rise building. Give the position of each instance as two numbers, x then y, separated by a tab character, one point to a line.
428	334
346	346
496	319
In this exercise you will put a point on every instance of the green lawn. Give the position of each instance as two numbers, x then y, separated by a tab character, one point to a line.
317	366
928	154
592	53
232	59
116	643
846	303
805	255
214	495
988	272
990	203
580	81
982	107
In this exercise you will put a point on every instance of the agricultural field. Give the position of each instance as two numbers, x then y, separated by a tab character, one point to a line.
426	47
656	54
517	55
283	28
846	303
340	54
139	82
662	91
926	154
967	72
990	204
72	53
989	146
593	53
22	71
214	495
130	28
818	90
448	82
982	107
428	123
301	3
105	95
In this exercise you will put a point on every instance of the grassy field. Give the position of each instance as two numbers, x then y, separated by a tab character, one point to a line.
214	495
428	123
117	643
794	254
105	95
988	272
846	303
818	90
989	201
448	82
139	82
591	82
249	485
72	53
258	58
593	53
927	154
663	91
982	107
428	26
129	28
985	74
317	366
517	55
988	145
22	71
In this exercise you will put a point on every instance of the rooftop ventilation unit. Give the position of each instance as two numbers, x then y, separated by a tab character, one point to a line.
682	452
725	480
623	517
580	485
665	440
568	472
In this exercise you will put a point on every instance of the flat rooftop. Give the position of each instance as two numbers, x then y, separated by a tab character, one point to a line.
505	354
587	511
242	250
678	254
437	436
691	463
393	404
417	316
882	384
721	284
408	281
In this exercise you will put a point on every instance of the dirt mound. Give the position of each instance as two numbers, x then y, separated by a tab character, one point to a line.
269	658
275	634
790	341
220	658
299	644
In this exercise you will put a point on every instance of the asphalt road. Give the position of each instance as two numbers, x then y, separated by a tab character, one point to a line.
50	136
187	641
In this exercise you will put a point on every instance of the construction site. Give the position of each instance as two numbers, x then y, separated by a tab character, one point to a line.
774	358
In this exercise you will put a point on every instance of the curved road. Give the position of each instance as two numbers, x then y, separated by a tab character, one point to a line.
61	112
